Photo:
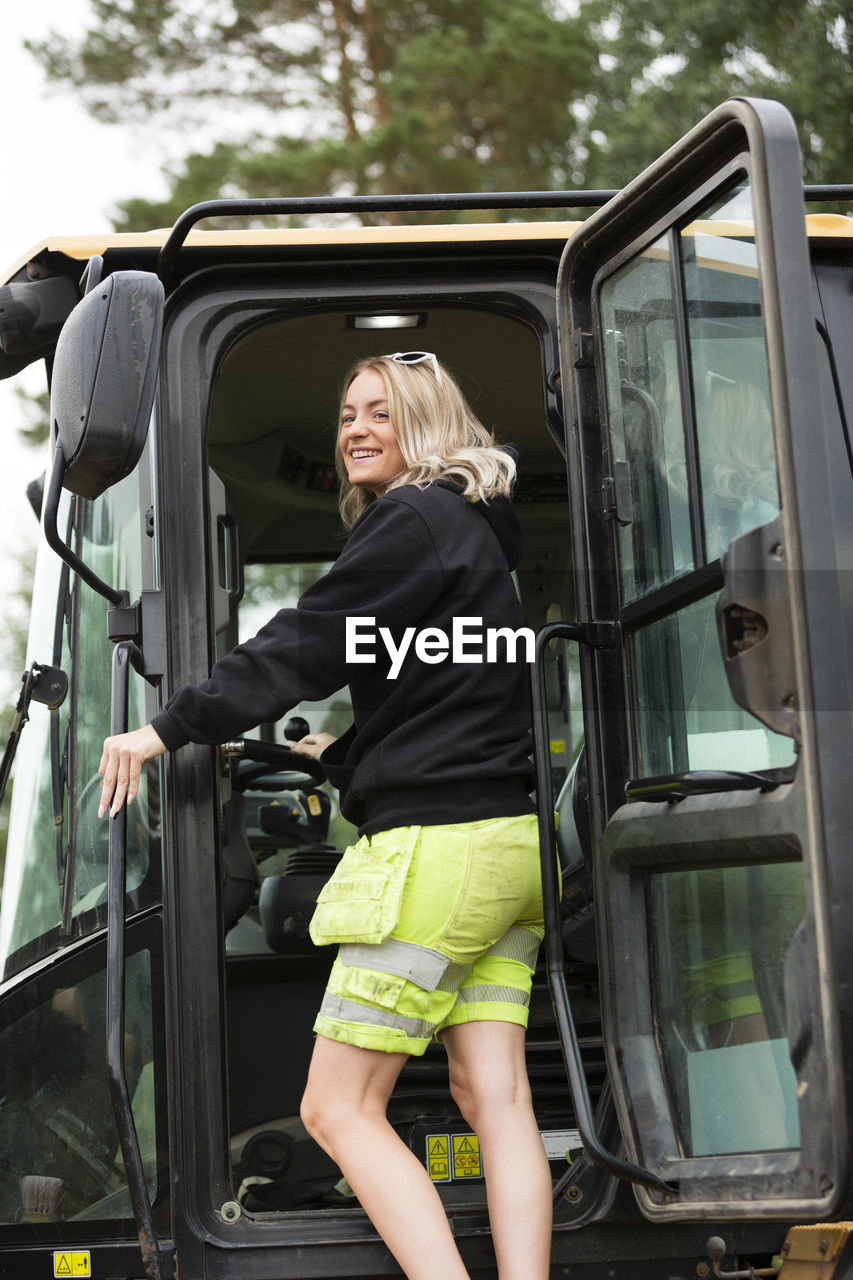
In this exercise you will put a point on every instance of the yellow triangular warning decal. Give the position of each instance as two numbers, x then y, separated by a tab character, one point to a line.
439	1147
63	1266
465	1145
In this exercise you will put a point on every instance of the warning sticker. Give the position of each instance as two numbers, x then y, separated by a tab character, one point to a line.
466	1156
78	1263
314	807
438	1157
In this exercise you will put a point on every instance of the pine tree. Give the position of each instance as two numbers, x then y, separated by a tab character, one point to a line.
341	96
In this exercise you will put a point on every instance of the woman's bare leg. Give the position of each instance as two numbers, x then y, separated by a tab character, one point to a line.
488	1080
344	1110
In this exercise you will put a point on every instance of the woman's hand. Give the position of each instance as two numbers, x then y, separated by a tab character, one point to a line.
121	764
314	744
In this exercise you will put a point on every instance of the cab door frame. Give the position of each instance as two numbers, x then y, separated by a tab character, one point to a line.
756	138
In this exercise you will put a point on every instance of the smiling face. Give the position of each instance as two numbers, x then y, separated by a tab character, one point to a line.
367	442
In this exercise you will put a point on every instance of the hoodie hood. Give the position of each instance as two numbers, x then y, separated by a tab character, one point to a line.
499	513
500	516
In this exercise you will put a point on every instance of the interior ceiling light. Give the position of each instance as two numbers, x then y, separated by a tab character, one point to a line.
411	321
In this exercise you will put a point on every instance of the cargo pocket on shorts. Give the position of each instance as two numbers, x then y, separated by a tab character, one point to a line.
383	989
361	901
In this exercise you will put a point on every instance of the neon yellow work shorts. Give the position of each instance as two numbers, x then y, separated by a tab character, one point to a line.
437	926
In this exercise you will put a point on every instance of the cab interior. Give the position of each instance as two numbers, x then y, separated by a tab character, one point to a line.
271	436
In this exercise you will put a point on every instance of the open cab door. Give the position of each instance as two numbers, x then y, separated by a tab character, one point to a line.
717	711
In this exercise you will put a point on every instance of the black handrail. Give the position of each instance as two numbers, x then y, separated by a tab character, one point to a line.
443	201
125	654
828	191
439	202
553	939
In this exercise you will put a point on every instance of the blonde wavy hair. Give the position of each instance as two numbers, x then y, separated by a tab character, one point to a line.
438	434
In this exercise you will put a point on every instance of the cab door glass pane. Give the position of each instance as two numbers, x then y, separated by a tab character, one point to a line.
31	888
686	716
59	1149
56	768
111	542
648	465
737	459
720	937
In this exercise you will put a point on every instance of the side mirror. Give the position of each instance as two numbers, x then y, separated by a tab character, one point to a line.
104	376
102	391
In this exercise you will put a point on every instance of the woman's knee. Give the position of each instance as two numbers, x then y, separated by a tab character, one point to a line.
483	1101
346	1085
485	1085
324	1110
312	1110
460	1092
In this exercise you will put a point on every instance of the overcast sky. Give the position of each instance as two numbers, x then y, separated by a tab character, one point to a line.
63	173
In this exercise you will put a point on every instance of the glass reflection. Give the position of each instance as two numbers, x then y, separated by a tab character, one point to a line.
720	940
731	395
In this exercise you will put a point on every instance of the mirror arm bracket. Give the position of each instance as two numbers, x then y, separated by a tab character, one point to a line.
143	623
54	541
125	621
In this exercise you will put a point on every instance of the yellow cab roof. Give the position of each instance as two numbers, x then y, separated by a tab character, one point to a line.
83	247
829	225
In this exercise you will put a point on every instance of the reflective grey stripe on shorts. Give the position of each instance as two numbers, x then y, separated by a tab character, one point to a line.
352	1011
424	966
454	976
484	993
519	944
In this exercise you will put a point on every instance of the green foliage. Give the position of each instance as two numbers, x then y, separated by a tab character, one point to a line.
669	64
35	408
385	96
340	95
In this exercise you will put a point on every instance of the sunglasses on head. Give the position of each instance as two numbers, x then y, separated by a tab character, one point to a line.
416	357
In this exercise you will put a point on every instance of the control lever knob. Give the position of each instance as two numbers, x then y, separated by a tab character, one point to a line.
295	728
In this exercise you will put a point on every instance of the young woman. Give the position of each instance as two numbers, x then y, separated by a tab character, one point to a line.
437	908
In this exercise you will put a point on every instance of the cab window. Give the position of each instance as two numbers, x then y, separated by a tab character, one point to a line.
57	852
693	467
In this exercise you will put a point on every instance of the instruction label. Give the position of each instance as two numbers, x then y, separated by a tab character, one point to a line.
76	1263
438	1157
466	1156
558	1141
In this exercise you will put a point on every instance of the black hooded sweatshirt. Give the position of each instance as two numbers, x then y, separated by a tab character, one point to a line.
445	741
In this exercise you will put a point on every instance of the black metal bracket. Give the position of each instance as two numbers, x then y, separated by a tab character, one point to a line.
595	635
600	634
48	685
143	623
